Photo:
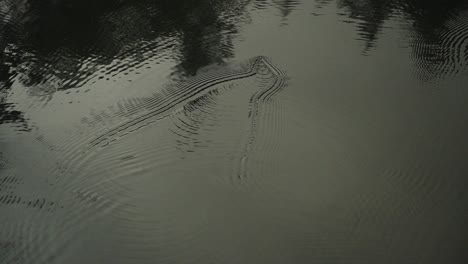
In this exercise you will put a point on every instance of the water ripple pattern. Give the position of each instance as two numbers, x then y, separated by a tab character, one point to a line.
141	112
26	212
446	54
185	109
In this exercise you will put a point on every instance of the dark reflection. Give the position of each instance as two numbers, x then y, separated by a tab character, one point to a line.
60	44
9	115
286	6
372	15
439	30
440	44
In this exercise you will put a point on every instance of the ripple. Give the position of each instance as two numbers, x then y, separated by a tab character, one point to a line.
146	110
115	42
201	122
446	52
277	82
42	224
25	215
11	188
83	185
194	110
118	46
259	169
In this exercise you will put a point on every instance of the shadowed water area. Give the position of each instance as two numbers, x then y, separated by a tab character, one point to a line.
233	131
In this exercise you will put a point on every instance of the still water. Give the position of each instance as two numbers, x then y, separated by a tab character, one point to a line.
233	131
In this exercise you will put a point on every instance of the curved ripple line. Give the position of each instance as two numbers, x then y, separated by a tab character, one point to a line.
159	107
261	96
446	54
154	110
163	102
271	80
195	88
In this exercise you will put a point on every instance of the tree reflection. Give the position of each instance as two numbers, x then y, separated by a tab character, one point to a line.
47	42
9	115
58	35
371	13
61	44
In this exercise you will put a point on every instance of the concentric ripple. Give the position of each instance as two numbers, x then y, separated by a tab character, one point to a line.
101	159
447	53
22	213
212	122
133	115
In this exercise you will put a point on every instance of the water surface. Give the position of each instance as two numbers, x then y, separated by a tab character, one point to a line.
233	131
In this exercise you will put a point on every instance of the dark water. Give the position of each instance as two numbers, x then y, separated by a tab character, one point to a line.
233	131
